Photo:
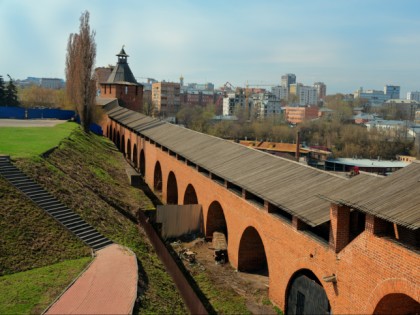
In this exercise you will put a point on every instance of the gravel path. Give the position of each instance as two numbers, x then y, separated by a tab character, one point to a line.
30	122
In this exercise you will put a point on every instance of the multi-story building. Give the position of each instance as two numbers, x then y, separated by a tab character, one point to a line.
51	83
413	96
374	97
281	92
122	85
166	97
392	91
307	95
288	79
377	97
297	115
403	109
321	89
236	101
265	104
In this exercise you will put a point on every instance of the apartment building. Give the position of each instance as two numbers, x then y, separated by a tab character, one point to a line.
166	97
296	115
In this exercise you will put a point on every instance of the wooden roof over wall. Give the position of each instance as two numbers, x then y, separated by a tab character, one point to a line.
300	190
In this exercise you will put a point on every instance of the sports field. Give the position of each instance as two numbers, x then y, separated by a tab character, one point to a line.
31	141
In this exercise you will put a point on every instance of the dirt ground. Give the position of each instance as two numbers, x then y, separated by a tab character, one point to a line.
30	122
253	287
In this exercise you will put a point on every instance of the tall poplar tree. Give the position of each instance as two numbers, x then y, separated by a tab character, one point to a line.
80	62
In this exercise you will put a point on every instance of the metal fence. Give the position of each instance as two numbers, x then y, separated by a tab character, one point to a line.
35	113
190	297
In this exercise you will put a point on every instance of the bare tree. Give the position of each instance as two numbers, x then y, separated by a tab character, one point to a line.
80	62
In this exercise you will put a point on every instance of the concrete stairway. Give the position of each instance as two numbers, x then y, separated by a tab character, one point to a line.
52	206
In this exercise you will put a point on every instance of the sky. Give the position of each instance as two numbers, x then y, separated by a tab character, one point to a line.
346	44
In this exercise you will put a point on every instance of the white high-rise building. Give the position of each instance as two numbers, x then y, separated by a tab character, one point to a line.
236	101
321	90
413	96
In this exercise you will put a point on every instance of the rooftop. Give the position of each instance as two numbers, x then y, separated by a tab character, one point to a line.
291	186
368	162
395	198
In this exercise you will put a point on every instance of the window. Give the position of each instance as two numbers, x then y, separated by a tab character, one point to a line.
126	90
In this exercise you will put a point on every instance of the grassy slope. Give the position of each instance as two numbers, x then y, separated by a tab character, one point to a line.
30	292
29	237
87	173
31	141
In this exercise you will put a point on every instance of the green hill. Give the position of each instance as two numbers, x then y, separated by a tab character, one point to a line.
86	173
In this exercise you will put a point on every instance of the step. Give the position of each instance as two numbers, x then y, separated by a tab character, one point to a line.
38	194
58	212
11	172
69	221
91	239
94	243
99	246
65	215
16	178
48	202
42	198
88	233
21	181
79	229
76	224
8	169
30	189
25	185
54	208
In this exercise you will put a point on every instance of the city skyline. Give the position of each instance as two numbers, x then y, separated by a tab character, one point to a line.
346	45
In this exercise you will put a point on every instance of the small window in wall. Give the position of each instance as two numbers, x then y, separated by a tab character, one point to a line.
193	165
280	213
218	179
234	188
357	223
126	90
256	200
204	171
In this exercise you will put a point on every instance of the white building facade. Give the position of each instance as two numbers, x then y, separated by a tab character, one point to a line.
265	105
413	96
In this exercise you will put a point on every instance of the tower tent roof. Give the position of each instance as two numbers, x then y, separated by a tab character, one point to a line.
122	72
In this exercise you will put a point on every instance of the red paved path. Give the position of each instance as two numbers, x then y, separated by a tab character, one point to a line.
108	286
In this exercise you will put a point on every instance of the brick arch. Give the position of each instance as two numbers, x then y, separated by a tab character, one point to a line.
216	221
388	288
129	149
397	303
117	140
157	178
135	156
190	196
142	163
251	253
171	189
122	143
306	289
